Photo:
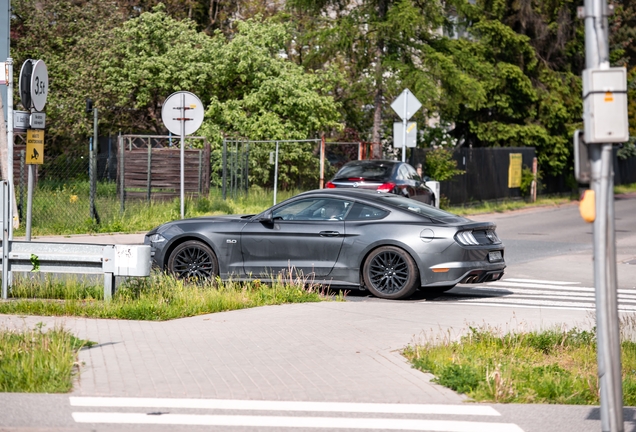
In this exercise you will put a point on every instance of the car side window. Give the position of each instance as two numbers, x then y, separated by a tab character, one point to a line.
317	209
412	173
403	173
361	212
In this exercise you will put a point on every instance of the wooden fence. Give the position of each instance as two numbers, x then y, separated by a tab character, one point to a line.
149	169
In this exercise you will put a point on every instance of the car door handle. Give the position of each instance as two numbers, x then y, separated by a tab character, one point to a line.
329	233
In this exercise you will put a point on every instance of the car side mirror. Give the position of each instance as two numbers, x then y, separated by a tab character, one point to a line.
266	217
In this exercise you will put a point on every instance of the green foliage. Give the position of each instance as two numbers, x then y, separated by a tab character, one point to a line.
159	297
35	262
440	165
526	181
35	361
551	366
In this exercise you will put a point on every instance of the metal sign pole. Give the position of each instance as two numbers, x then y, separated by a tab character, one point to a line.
10	139
5	196
183	119
29	213
276	174
602	182
404	120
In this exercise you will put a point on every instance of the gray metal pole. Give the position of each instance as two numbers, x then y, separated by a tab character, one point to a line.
10	143
6	246
224	186
93	166
29	213
276	174
404	123
607	330
182	154
122	194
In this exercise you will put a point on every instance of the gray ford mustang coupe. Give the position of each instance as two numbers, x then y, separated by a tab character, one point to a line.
345	238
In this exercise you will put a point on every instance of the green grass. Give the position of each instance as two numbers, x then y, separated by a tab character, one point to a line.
506	205
623	189
552	366
37	361
159	297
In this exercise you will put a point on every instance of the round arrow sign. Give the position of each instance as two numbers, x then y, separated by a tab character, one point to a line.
39	85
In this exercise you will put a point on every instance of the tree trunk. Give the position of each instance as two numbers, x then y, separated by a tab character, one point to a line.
378	99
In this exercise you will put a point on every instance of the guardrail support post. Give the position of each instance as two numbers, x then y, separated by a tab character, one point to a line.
109	286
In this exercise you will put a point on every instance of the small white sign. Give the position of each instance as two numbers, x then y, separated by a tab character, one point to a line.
38	120
21	120
125	256
4	73
406	105
398	134
184	104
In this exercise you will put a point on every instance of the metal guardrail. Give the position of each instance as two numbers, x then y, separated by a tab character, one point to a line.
108	260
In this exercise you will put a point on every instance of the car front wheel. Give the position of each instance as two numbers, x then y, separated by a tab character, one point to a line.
389	272
193	260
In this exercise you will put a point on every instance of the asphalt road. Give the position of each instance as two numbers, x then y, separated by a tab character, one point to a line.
337	354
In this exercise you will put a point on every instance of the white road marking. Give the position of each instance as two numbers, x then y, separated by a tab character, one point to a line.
229	404
551	294
543	281
534	293
501	284
294	422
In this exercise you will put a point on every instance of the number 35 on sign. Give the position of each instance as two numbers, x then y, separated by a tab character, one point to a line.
35	147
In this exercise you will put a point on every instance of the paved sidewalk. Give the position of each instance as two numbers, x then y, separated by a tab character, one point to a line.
330	351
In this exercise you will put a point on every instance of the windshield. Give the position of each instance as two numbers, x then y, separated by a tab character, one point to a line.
365	171
420	208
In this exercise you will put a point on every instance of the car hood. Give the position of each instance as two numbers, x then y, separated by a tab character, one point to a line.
181	225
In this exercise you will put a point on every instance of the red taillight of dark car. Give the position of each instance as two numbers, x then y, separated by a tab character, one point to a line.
386	187
330	185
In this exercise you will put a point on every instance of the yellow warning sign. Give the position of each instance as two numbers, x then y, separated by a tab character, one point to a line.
514	170
35	147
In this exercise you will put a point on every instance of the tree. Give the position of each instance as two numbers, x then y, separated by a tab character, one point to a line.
260	95
379	45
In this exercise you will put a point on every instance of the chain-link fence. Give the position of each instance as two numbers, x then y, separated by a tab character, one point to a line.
60	193
281	164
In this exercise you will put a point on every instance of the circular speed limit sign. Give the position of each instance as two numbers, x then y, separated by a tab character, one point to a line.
39	85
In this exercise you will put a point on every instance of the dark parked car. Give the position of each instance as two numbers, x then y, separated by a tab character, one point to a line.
394	177
348	238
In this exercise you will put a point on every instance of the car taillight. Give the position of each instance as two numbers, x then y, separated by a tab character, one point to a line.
330	185
466	238
386	187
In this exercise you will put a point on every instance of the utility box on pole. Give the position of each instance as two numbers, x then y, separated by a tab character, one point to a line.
605	105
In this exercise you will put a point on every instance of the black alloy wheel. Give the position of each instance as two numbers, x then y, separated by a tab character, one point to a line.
193	260
390	272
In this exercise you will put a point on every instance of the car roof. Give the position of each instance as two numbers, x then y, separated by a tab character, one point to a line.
345	192
372	162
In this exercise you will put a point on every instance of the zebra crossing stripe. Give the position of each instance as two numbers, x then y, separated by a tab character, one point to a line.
256	405
542	281
294	422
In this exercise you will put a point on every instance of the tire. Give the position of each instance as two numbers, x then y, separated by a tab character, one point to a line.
193	260
389	272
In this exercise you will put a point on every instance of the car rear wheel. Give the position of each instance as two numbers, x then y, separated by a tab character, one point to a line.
389	272
193	260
